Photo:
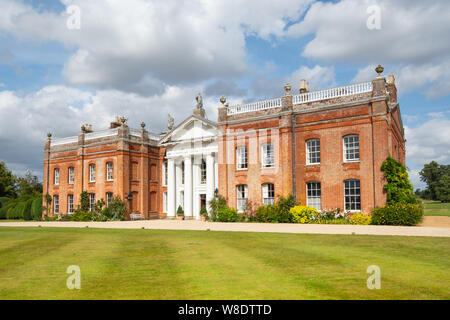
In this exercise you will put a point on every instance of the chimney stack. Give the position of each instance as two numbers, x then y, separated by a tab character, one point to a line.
304	86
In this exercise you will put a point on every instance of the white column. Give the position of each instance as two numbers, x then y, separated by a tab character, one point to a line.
210	174
188	186
178	200
195	183
171	188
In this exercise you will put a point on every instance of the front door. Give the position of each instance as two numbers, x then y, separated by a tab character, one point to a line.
202	200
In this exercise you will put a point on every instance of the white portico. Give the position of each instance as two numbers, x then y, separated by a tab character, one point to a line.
190	171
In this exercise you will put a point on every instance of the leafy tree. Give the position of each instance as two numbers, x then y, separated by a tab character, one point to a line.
84	201
215	204
28	185
436	176
117	208
443	188
398	187
7	182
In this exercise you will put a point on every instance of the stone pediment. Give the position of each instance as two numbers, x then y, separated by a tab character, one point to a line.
191	129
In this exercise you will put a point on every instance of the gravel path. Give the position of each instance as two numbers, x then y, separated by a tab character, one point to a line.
248	227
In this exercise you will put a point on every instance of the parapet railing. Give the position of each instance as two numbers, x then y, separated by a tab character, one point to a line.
67	140
101	134
254	106
302	98
332	93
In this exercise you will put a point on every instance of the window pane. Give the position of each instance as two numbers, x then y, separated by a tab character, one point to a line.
352	195
313	151
351	148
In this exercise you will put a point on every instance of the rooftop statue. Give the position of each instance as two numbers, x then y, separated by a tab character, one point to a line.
199	101
170	122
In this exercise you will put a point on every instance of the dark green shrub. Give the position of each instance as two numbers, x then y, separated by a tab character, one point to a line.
398	187
3	201
180	211
268	213
36	208
227	214
80	215
203	211
5	208
84	201
399	214
27	209
285	205
16	212
116	209
216	203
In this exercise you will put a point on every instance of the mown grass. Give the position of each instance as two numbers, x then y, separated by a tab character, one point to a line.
436	208
163	264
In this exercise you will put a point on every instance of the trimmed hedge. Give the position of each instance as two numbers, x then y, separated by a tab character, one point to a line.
227	214
399	214
17	211
5	208
268	213
36	209
27	210
3	201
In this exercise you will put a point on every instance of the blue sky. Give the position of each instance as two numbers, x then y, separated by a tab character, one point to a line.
144	59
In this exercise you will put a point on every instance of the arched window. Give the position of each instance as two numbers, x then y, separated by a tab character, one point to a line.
241	157
313	151
242	196
267	155
268	193
314	195
352	195
56	176
71	175
109	171
92	172
351	148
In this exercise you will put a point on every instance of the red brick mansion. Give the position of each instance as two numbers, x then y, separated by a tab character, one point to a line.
324	147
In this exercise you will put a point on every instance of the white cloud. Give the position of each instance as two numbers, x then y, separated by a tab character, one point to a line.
428	141
413	40
26	119
141	45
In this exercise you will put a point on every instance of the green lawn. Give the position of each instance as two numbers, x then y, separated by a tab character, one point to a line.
162	264
436	208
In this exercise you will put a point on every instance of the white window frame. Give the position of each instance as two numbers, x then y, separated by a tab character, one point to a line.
56	204
109	171
91	201
203	176
164	174
70	203
109	198
165	202
267	156
182	172
313	151
351	148
92	172
71	175
241	197
352	193
56	176
241	158
268	195
314	195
